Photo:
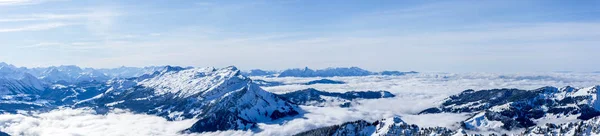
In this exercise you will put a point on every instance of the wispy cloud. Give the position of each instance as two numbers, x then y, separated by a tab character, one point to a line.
43	17
65	46
35	27
43	44
96	20
101	20
15	2
22	2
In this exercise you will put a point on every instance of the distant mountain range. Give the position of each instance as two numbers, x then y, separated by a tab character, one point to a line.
328	72
71	74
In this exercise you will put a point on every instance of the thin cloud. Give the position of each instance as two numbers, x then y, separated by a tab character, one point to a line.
53	16
22	2
65	46
35	27
43	17
43	44
15	2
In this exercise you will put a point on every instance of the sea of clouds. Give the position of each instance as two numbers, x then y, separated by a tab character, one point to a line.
84	122
413	93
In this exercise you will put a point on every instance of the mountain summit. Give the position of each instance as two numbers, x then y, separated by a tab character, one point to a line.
222	99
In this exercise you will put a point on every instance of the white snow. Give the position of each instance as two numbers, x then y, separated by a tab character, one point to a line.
480	122
207	81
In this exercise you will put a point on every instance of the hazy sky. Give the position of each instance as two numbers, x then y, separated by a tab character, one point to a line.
450	36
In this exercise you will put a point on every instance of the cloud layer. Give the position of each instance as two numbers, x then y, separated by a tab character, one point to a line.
79	122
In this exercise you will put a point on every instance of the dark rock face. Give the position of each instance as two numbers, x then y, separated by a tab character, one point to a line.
3	134
314	97
396	73
325	81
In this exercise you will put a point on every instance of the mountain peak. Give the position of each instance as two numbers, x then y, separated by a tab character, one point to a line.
195	81
2	64
170	68
222	99
231	68
567	89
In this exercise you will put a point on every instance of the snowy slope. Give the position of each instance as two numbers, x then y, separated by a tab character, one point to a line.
580	128
394	126
201	93
207	82
128	72
510	109
15	81
68	74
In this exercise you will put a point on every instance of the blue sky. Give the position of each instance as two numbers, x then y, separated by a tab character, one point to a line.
450	36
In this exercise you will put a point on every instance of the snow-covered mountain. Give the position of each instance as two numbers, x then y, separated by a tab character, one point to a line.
394	126
128	72
222	99
172	92
15	81
73	74
259	72
581	128
19	90
68	74
543	111
510	109
264	83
